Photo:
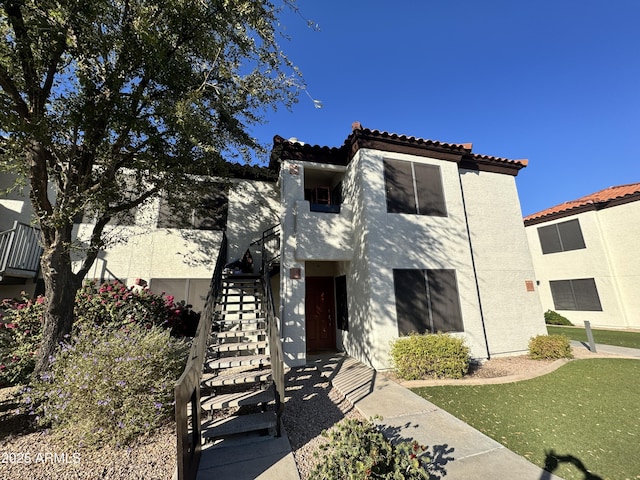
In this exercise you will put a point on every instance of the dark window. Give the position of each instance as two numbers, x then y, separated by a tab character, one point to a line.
580	294
561	237
414	188
210	213
342	310
324	199
427	301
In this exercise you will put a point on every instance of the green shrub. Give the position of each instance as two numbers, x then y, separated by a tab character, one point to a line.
20	335
545	347
554	318
431	355
357	450
108	386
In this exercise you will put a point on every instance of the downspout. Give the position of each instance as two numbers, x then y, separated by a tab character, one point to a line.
473	265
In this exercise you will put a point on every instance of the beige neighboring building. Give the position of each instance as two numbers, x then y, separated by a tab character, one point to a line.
585	254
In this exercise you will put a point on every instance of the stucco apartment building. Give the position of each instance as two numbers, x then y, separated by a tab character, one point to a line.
585	257
409	235
380	237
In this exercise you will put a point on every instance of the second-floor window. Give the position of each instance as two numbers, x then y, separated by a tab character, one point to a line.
414	188
561	237
209	214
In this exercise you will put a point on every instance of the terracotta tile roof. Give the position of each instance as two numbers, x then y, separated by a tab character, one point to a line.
604	198
361	137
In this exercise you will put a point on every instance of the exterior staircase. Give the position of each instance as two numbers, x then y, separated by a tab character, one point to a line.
238	394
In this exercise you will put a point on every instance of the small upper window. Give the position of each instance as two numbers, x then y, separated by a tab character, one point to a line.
323	190
561	237
414	188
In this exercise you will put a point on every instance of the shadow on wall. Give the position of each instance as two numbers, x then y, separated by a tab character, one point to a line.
253	208
553	461
403	241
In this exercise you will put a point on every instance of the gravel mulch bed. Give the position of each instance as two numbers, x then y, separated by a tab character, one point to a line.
34	455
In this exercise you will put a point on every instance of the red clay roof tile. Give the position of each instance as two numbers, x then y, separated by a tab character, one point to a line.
599	199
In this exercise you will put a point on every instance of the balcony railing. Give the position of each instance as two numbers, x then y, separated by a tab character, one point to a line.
20	251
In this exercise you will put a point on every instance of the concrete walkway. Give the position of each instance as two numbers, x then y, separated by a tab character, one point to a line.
610	349
459	450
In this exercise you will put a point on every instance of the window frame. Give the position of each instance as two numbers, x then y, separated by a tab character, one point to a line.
414	188
559	237
415	291
579	294
194	219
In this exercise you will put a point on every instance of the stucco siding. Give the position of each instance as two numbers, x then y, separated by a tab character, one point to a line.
512	315
611	239
621	231
254	207
594	261
416	242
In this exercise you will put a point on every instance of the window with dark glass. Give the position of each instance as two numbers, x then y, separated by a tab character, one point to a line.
414	188
579	294
561	237
427	301
210	213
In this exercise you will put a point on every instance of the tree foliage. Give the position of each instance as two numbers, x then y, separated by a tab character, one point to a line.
112	102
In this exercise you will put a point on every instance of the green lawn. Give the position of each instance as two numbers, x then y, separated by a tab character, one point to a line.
608	337
588	409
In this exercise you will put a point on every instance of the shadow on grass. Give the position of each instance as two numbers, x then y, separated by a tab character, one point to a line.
553	460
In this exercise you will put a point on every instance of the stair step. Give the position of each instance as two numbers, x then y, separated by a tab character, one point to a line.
236	378
244	301
239	424
242	361
237	347
241	333
237	399
243	321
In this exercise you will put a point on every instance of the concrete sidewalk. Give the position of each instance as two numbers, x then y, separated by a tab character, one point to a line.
610	349
459	450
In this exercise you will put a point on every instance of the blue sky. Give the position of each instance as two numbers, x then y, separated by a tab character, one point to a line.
556	82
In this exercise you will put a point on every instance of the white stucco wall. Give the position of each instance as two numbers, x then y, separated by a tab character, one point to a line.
180	262
611	239
620	227
292	290
413	241
512	315
382	241
254	206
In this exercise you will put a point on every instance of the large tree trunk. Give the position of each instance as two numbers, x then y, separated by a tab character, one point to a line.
61	285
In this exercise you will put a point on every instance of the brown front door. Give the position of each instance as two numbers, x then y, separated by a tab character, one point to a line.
320	312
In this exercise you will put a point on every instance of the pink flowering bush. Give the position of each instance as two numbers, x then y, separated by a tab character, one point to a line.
20	335
113	304
110	305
